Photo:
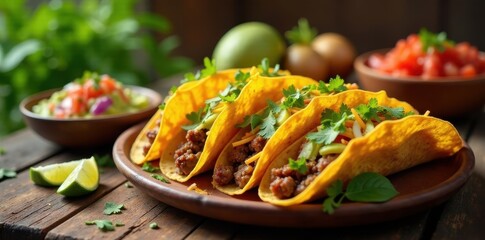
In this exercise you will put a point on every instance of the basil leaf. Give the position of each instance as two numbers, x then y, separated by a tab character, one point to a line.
370	187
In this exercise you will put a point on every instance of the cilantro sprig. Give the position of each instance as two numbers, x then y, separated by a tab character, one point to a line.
160	178
366	187
265	69
437	41
148	167
208	70
298	165
301	34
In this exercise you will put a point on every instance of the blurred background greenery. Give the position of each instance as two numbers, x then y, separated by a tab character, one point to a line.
45	45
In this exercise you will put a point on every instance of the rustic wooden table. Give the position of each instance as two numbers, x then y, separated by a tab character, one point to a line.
28	211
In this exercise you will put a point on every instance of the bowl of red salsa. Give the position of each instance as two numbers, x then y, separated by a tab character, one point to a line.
428	71
88	112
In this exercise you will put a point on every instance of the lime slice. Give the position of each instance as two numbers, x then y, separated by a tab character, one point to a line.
52	175
83	179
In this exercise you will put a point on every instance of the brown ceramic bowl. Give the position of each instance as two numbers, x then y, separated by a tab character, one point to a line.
86	133
445	97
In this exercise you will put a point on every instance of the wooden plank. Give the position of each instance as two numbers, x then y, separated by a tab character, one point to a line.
212	229
464	214
24	148
141	210
407	228
28	211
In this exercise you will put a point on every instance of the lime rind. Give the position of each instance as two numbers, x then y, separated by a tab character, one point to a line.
52	175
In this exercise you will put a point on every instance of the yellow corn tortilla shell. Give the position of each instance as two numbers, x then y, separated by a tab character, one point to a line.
189	97
391	147
297	125
251	99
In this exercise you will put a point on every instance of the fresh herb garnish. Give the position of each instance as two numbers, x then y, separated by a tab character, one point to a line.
162	106
195	118
332	125
372	111
160	178
302	34
431	40
251	120
153	225
148	167
298	165
7	173
104	225
335	85
265	69
293	98
112	208
366	187
208	70
268	126
172	90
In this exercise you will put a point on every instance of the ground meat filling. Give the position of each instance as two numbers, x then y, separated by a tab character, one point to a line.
188	153
239	172
287	182
151	135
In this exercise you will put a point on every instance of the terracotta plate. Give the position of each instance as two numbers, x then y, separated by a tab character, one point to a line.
420	188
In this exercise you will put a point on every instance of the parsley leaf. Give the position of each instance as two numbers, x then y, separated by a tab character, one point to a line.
112	208
265	69
104	225
298	165
268	126
7	173
160	178
148	167
365	187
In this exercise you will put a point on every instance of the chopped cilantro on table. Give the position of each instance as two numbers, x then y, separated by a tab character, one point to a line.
104	225
160	178
7	173
112	208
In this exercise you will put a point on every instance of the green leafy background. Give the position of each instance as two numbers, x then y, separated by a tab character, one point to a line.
53	42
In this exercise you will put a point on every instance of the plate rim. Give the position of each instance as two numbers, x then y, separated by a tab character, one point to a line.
311	216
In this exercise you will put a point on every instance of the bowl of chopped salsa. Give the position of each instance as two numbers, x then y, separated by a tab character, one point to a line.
428	71
88	112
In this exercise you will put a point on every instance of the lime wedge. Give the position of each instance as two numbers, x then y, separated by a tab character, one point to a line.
83	179
52	175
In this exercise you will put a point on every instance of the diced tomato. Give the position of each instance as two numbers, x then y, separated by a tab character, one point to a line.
107	84
468	71
91	90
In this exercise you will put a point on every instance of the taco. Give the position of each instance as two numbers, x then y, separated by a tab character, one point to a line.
357	132
195	146
237	168
188	97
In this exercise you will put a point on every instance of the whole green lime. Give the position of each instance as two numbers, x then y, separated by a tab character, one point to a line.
246	44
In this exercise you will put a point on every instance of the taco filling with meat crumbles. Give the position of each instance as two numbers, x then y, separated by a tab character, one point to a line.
236	164
325	145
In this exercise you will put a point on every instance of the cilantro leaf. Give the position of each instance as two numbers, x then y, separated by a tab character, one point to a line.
336	84
432	40
251	120
265	69
332	125
241	78
301	34
195	118
104	225
148	167
162	106
298	165
112	208
325	136
7	173
229	98
173	89
208	70
268	126
365	187
293	98
272	106
160	178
